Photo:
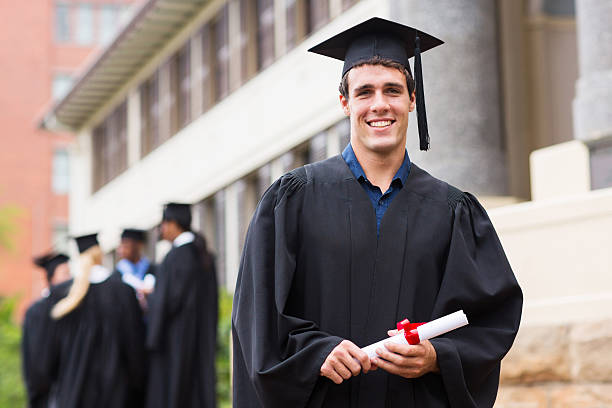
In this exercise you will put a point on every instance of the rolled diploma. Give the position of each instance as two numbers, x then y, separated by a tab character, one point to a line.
427	331
371	349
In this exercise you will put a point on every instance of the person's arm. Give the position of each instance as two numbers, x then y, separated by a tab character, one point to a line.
479	280
276	355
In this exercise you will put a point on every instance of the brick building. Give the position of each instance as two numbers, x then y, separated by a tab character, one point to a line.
43	44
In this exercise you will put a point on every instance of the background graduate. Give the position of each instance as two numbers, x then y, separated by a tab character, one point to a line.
133	267
182	319
340	250
96	337
35	360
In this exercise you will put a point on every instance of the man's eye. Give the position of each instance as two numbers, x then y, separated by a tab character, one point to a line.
394	91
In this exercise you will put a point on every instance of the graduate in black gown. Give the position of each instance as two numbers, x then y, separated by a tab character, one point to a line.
182	319
340	250
96	338
35	362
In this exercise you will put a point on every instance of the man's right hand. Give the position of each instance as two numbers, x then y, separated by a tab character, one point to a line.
345	361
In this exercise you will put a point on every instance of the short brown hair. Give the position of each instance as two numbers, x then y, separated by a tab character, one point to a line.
385	62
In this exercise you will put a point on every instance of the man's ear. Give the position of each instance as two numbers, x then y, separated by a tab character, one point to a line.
412	101
344	104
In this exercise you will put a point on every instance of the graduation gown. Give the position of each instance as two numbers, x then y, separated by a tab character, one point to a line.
35	351
182	332
97	354
314	273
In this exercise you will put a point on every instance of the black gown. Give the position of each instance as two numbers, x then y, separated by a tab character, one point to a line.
95	354
314	273
35	351
182	331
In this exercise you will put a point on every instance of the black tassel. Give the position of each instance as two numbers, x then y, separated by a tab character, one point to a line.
420	96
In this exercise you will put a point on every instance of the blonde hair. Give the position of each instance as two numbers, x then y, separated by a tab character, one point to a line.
80	284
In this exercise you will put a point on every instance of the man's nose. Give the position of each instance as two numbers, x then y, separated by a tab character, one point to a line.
379	103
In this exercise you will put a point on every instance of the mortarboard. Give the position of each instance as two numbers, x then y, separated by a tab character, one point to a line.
179	213
50	261
134	234
84	242
378	37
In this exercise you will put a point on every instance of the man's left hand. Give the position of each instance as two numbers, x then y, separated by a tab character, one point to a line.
407	360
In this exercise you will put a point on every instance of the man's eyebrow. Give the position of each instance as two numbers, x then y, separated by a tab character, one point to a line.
363	87
385	85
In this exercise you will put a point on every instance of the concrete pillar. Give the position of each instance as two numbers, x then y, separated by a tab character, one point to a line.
462	92
592	106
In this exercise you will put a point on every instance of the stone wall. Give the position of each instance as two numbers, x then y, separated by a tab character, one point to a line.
562	366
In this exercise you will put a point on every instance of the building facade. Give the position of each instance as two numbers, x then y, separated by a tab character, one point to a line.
209	102
44	44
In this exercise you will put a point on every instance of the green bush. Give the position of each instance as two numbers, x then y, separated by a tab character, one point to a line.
12	393
224	390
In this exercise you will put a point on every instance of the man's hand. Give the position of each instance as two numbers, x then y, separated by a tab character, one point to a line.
407	360
345	361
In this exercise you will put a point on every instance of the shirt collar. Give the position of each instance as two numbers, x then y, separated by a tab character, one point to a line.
184	238
351	160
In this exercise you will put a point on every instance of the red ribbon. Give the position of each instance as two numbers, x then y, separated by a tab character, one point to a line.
410	331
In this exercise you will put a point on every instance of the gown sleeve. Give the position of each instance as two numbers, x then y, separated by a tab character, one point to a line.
276	355
479	280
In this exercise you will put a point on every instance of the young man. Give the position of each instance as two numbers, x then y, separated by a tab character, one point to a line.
182	331
339	251
35	338
133	267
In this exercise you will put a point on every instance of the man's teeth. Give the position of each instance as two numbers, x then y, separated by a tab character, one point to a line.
380	123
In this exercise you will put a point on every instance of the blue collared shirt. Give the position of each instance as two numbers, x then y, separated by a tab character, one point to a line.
380	200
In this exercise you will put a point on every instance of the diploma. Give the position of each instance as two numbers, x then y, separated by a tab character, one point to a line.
414	333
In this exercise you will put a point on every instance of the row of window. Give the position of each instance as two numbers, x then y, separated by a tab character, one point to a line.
209	214
167	96
88	24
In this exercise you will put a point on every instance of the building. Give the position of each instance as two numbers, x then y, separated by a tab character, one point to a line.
208	102
43	45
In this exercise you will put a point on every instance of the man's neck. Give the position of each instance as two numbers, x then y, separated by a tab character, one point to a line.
379	168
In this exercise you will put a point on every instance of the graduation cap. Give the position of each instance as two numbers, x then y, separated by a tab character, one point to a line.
134	234
386	39
49	262
179	213
84	242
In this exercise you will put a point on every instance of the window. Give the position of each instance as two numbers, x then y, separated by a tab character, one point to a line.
62	23
170	94
60	174
220	31
60	237
184	85
265	33
318	12
61	85
149	110
110	147
344	132
318	147
346	4
206	77
107	17
248	53
85	24
297	22
219	203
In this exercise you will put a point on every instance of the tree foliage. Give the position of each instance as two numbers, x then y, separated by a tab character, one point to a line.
12	393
